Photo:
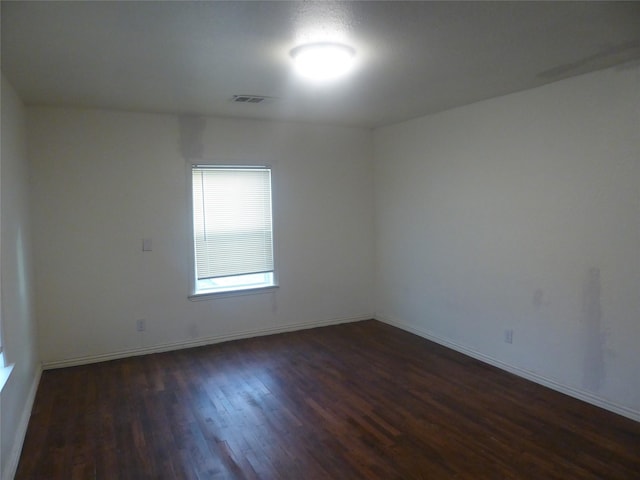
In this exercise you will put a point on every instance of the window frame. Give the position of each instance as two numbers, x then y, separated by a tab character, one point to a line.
196	295
5	367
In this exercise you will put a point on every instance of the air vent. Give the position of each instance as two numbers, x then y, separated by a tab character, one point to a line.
251	99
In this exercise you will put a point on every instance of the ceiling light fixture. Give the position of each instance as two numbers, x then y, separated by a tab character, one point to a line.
323	61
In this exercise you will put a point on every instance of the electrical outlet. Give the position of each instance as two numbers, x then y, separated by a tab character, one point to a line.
141	325
508	336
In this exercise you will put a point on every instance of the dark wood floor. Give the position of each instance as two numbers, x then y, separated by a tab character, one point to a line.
361	400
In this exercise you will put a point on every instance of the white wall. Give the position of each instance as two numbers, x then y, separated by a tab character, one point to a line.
521	212
101	181
19	328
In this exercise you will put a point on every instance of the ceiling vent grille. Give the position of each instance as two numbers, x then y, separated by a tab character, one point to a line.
251	99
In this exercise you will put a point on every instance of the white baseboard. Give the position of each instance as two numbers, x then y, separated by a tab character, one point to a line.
166	347
21	432
534	377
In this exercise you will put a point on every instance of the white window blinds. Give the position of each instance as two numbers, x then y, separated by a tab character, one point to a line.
232	221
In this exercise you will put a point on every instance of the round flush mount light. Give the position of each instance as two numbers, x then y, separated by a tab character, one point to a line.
323	61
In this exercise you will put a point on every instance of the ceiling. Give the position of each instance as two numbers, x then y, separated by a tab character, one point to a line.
414	58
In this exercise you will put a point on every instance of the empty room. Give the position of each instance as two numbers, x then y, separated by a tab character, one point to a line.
320	240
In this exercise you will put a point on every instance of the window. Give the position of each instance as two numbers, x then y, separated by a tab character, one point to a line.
232	228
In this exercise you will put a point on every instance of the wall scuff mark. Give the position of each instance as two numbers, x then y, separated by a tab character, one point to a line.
537	299
593	367
191	132
606	57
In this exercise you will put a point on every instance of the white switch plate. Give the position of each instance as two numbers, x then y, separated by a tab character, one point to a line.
146	244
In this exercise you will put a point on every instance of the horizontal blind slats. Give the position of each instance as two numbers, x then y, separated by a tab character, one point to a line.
232	221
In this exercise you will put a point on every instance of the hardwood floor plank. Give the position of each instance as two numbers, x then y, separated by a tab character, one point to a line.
354	401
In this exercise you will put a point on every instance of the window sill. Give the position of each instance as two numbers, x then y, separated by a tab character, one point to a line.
196	297
5	373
